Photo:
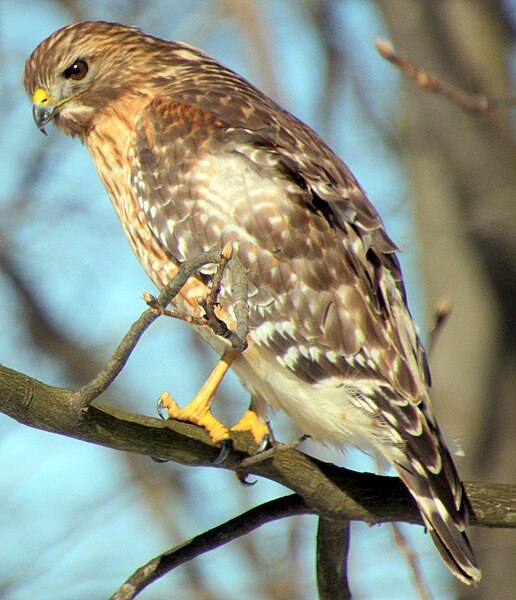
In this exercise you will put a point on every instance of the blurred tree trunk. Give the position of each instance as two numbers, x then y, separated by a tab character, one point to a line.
463	172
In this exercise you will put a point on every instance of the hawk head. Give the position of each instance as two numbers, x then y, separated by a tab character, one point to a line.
78	71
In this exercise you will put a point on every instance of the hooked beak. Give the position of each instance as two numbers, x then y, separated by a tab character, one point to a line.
43	110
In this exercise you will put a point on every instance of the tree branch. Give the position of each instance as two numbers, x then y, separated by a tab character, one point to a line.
333	492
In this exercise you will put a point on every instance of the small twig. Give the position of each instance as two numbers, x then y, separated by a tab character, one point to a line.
442	313
154	303
238	277
157	307
273	510
210	301
265	454
225	257
210	319
474	103
413	562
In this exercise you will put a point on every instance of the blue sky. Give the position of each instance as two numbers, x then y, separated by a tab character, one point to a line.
73	523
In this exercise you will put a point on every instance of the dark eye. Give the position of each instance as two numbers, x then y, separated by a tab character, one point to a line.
77	71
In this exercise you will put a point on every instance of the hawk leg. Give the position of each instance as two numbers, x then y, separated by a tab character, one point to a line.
198	411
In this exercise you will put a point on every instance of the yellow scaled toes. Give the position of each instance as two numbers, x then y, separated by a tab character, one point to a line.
251	422
197	414
198	411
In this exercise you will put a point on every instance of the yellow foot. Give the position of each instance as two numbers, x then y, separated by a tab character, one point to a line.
198	411
191	414
260	431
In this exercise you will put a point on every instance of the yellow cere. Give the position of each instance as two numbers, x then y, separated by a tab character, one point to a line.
40	97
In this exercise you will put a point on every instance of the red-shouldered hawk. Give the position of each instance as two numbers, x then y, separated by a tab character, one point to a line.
194	157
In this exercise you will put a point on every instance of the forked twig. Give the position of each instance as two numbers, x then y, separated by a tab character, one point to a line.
157	307
210	319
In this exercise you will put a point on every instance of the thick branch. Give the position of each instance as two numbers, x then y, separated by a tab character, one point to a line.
333	539
333	492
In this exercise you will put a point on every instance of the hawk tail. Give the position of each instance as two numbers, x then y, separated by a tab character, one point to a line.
444	506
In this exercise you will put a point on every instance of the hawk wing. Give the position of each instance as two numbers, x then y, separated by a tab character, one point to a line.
312	242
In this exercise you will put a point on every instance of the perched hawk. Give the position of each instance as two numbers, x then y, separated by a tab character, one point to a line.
193	157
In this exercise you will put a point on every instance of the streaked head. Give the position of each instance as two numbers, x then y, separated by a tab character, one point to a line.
81	68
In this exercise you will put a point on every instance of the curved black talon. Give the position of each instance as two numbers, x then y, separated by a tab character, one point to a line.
242	477
157	459
265	444
159	409
224	452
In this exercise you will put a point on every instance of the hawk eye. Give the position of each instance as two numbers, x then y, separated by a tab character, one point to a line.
77	71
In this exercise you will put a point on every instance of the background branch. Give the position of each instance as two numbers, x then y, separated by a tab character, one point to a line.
287	506
428	81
